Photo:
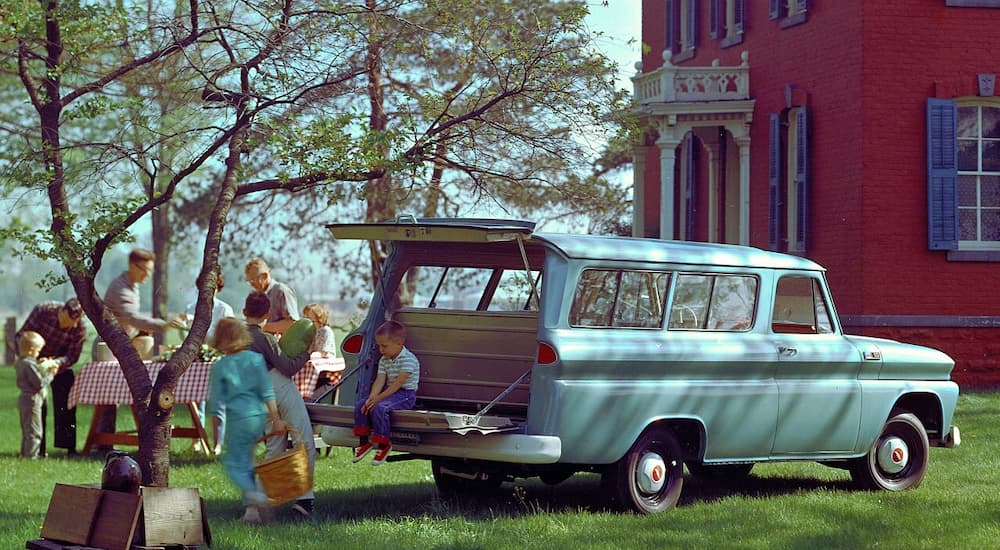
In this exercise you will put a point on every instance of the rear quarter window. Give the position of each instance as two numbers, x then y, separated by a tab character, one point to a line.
619	298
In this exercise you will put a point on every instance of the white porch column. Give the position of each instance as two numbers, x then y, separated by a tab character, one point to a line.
709	137
667	142
638	191
744	145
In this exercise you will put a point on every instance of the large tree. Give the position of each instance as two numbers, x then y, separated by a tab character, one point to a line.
134	107
532	156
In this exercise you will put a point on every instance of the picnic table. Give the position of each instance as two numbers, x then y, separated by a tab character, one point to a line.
102	384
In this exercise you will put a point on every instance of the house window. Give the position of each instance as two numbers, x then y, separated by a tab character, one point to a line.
681	28
963	183
790	12
727	21
978	183
788	176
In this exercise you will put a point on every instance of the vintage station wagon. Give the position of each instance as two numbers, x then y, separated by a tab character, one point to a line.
548	354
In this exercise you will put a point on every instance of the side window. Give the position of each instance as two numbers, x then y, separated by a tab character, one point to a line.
734	301
800	307
619	298
713	302
691	296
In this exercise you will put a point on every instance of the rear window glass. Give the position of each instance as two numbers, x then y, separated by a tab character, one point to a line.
619	298
713	302
469	288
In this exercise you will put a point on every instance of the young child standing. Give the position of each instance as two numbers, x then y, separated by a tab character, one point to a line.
32	379
394	388
241	387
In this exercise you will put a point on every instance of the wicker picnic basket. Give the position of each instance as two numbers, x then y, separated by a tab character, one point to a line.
285	476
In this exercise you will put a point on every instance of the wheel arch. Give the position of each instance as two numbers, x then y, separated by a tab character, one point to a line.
926	406
690	433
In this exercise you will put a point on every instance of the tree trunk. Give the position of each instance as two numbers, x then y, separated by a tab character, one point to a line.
378	193
160	218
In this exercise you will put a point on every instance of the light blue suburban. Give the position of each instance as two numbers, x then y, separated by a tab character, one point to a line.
548	354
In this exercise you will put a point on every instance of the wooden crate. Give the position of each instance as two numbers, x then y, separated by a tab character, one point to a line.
156	517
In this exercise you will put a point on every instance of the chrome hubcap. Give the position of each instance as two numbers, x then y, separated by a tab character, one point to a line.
893	454
652	474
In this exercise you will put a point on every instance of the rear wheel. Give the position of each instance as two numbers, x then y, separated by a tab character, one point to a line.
649	478
898	458
455	481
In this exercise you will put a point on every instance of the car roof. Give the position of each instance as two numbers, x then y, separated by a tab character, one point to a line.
591	247
595	247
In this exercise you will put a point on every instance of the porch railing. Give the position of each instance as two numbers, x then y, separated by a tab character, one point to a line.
673	83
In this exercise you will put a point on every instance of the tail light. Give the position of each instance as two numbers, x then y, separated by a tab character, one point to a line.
353	344
546	354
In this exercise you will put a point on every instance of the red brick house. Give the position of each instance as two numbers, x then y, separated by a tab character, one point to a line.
864	135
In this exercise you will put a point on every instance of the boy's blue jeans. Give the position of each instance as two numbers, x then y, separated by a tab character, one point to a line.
376	422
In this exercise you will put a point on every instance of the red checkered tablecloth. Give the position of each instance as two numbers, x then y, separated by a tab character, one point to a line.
102	382
306	378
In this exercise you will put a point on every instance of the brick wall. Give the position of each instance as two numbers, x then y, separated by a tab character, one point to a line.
976	351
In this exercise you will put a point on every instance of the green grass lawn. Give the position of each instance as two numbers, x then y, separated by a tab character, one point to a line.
396	505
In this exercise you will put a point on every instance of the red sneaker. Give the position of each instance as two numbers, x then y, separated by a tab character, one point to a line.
362	451
383	452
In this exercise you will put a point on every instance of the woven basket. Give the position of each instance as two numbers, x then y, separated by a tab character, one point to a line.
285	476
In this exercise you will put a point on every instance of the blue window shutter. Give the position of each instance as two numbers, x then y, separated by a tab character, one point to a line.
741	15
690	204
942	174
692	24
774	183
801	178
714	18
775	9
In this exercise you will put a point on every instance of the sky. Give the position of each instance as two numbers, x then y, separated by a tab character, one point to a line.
621	23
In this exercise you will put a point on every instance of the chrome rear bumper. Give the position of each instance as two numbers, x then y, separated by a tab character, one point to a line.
498	447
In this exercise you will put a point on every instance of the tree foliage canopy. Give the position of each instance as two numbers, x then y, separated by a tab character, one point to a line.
181	112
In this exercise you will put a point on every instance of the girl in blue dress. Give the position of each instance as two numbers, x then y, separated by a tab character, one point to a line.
241	387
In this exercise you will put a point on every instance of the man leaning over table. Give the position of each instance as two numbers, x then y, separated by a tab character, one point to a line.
122	298
62	327
284	307
281	368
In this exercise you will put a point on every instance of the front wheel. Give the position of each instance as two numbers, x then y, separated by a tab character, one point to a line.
898	458
649	478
